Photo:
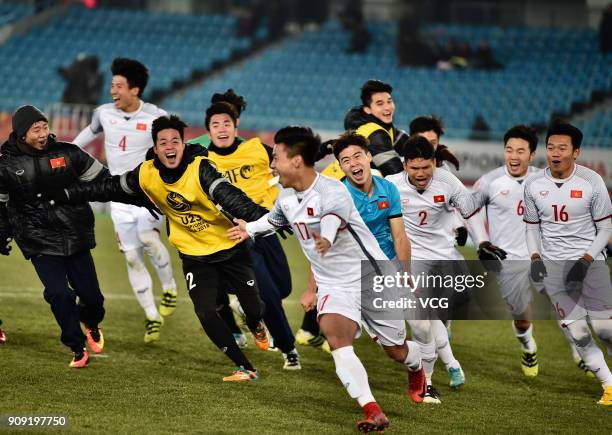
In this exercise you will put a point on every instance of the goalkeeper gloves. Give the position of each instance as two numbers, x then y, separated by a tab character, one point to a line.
538	270
577	273
491	256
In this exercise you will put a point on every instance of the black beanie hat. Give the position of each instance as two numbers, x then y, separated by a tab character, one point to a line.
24	117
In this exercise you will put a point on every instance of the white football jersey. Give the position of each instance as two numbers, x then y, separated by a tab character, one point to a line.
127	136
502	195
340	267
566	211
429	214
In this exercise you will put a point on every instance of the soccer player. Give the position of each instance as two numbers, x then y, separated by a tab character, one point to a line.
378	203
500	192
230	97
57	240
374	120
429	197
335	241
188	190
432	129
126	124
246	164
568	215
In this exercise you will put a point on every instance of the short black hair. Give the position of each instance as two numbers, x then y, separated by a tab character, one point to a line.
299	140
372	87
347	139
523	132
418	147
218	108
566	129
231	97
164	122
421	124
136	74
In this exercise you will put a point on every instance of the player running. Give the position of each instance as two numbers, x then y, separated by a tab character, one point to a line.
429	197
500	192
195	199
568	215
336	242
126	124
246	164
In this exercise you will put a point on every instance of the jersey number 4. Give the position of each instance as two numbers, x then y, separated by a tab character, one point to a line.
122	143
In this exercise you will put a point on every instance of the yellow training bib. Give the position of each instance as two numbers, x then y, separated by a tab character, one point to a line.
197	227
248	168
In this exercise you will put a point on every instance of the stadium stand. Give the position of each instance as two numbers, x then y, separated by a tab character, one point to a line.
11	12
171	45
311	79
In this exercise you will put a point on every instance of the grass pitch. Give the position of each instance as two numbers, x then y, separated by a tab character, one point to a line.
175	385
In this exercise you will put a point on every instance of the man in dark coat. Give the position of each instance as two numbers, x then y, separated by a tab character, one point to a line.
57	240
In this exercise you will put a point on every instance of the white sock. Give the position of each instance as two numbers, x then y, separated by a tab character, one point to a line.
352	374
160	258
413	359
443	346
603	329
570	341
589	351
528	344
141	282
421	334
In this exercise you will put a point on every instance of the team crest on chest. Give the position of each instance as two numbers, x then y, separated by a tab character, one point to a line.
504	192
177	202
544	193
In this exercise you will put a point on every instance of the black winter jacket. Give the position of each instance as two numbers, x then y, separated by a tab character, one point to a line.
126	188
37	226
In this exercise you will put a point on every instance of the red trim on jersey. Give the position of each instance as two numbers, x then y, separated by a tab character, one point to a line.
475	211
603	218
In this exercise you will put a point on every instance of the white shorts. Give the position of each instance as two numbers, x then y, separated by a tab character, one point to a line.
129	222
515	285
348	303
595	299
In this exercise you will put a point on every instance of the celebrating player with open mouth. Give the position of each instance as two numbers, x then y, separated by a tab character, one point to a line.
568	211
126	124
340	249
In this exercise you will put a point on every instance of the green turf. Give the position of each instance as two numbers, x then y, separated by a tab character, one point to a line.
175	386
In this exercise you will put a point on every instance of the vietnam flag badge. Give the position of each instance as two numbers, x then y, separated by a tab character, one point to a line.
58	162
141	126
439	198
576	194
383	205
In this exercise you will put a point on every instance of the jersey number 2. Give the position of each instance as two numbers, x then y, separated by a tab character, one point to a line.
122	143
423	216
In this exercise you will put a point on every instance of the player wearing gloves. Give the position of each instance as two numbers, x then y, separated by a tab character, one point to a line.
568	215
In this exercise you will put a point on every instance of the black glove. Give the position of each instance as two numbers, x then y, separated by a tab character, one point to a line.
577	273
326	149
462	235
5	249
285	231
491	256
538	270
